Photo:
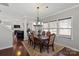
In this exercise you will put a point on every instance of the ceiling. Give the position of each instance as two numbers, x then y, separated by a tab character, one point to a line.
19	10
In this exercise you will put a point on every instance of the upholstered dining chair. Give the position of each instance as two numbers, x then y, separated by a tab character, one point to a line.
50	42
32	38
36	42
43	33
48	33
29	39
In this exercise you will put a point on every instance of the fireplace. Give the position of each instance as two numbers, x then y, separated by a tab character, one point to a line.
19	35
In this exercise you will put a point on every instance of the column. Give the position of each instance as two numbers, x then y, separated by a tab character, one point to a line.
25	29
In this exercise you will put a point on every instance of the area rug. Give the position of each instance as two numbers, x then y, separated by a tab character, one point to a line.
36	51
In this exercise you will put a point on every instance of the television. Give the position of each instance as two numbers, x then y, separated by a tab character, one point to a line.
16	26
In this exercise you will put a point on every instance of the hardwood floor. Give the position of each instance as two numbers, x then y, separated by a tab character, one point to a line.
36	51
68	52
6	52
16	50
19	50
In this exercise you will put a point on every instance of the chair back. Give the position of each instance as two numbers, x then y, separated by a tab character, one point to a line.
52	38
32	37
43	33
48	34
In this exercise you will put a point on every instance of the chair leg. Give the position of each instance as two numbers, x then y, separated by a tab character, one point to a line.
41	47
52	47
34	45
30	41
47	49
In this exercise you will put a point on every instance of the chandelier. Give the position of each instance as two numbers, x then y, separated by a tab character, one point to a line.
38	21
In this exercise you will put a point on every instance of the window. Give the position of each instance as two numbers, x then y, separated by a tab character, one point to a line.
45	27
64	27
53	27
53	31
61	26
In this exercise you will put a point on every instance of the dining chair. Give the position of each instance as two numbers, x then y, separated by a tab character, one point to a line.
36	42
32	38
48	33
29	39
43	33
50	42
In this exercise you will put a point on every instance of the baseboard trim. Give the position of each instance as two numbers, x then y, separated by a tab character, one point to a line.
5	47
67	46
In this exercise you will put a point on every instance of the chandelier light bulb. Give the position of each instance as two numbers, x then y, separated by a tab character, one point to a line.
34	23
39	23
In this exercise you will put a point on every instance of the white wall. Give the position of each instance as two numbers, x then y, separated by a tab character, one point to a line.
6	34
18	23
6	39
74	13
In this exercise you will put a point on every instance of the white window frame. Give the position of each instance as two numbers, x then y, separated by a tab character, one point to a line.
47	27
65	36
51	28
57	32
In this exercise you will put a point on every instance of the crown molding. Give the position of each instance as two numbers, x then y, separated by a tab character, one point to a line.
75	6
